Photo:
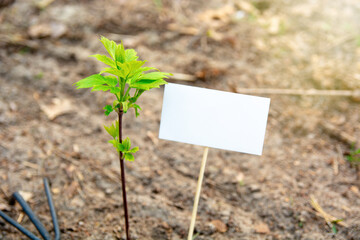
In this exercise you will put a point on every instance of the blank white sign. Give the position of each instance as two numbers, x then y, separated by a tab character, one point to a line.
214	118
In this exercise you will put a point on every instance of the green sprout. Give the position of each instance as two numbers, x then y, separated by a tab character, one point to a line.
127	75
127	79
354	156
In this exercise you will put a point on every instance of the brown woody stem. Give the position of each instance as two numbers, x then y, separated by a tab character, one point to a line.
122	170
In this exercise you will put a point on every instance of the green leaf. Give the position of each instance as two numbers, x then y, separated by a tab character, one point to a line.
108	109
136	108
130	55
129	157
144	69
115	90
105	59
125	106
111	80
113	141
113	71
146	84
127	144
116	103
113	130
155	75
109	45
101	88
129	69
117	145
120	53
134	150
337	220
333	229
91	81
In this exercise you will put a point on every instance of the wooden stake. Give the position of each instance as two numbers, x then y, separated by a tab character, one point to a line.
303	92
197	195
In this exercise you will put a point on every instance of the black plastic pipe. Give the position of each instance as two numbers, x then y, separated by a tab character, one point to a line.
52	209
33	218
18	226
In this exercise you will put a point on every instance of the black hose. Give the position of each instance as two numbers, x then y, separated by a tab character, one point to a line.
33	218
52	209
18	226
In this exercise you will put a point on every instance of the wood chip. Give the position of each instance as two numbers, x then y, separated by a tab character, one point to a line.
152	137
20	217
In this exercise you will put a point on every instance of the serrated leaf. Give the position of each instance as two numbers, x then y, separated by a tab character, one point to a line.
134	77
136	108
119	147
111	80
91	81
129	157
101	88
108	109
113	130
113	71
113	142
115	103
130	55
155	75
115	90
129	69
145	69
134	150
146	84
105	59
127	144
109	45
120	53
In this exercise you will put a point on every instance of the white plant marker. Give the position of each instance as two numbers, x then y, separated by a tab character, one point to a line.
215	119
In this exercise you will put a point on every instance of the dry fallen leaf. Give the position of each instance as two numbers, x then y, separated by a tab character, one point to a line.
219	225
262	228
42	30
59	107
355	190
4	207
26	195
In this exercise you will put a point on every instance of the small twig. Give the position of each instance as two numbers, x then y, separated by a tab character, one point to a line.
336	165
328	218
31	165
335	132
64	157
340	154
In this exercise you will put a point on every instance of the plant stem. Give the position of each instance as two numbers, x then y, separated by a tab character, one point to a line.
122	170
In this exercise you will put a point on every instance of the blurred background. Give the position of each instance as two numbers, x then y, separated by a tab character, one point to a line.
305	183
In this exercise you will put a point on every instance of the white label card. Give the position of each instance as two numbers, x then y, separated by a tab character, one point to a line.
214	118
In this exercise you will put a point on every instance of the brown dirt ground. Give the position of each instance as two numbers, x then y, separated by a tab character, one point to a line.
226	44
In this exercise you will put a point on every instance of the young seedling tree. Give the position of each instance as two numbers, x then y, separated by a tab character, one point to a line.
127	80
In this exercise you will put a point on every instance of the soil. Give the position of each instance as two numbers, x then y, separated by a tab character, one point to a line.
48	128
